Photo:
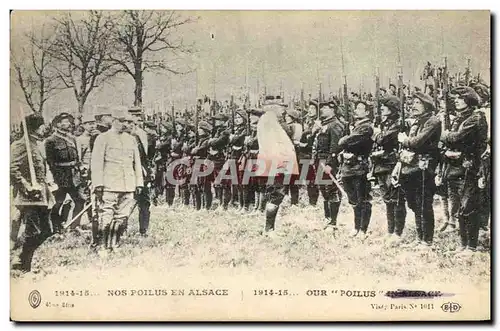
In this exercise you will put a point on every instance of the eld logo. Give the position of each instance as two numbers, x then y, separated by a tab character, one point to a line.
451	307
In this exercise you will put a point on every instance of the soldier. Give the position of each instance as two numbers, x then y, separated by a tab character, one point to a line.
185	172
164	155
256	185
143	143
328	130
64	163
292	119
384	159
466	141
32	193
116	175
216	153
200	152
277	154
356	148
305	150
419	158
85	152
236	155
485	169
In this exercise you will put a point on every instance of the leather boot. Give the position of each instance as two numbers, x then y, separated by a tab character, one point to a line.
271	212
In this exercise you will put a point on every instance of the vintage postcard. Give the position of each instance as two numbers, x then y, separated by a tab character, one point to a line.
250	165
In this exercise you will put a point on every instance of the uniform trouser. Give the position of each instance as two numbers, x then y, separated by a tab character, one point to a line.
358	193
312	188
37	230
159	183
114	210
485	206
143	204
274	195
395	207
59	217
465	200
419	189
331	200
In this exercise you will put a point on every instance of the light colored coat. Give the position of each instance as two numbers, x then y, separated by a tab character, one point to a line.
116	163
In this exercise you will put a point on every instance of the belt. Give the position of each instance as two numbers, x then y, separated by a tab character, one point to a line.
65	164
253	151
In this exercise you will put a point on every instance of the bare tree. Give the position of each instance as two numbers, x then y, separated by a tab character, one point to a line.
34	72
144	39
83	48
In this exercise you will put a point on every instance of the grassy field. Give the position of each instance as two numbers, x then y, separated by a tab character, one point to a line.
218	241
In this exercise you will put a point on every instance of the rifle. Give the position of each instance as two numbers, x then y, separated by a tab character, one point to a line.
231	106
173	120
196	138
34	183
320	99
302	107
378	118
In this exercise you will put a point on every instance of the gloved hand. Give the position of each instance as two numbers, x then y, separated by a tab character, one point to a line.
138	192
481	183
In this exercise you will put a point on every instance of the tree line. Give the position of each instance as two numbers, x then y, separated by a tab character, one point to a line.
81	52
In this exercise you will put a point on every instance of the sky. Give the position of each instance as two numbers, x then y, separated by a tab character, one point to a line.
292	49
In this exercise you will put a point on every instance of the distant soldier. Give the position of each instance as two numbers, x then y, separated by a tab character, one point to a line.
356	149
143	199
32	194
329	129
256	185
466	142
217	146
292	120
163	156
305	151
384	159
419	158
116	176
236	154
64	162
203	185
185	171
85	152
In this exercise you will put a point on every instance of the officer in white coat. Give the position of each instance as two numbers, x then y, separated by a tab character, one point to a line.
116	176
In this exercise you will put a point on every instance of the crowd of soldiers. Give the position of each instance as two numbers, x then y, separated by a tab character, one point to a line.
112	163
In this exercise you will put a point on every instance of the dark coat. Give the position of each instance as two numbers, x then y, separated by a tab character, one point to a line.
357	146
63	160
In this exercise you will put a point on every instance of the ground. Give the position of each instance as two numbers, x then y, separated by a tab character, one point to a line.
218	241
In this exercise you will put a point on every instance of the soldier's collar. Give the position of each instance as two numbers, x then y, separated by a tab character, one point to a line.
361	121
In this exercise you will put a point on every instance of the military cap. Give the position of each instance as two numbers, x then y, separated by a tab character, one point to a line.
392	102
88	118
426	100
63	116
256	112
467	93
293	114
33	122
391	84
482	91
204	125
383	89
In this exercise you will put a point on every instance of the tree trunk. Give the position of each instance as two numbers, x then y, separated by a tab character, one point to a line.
81	104
138	85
